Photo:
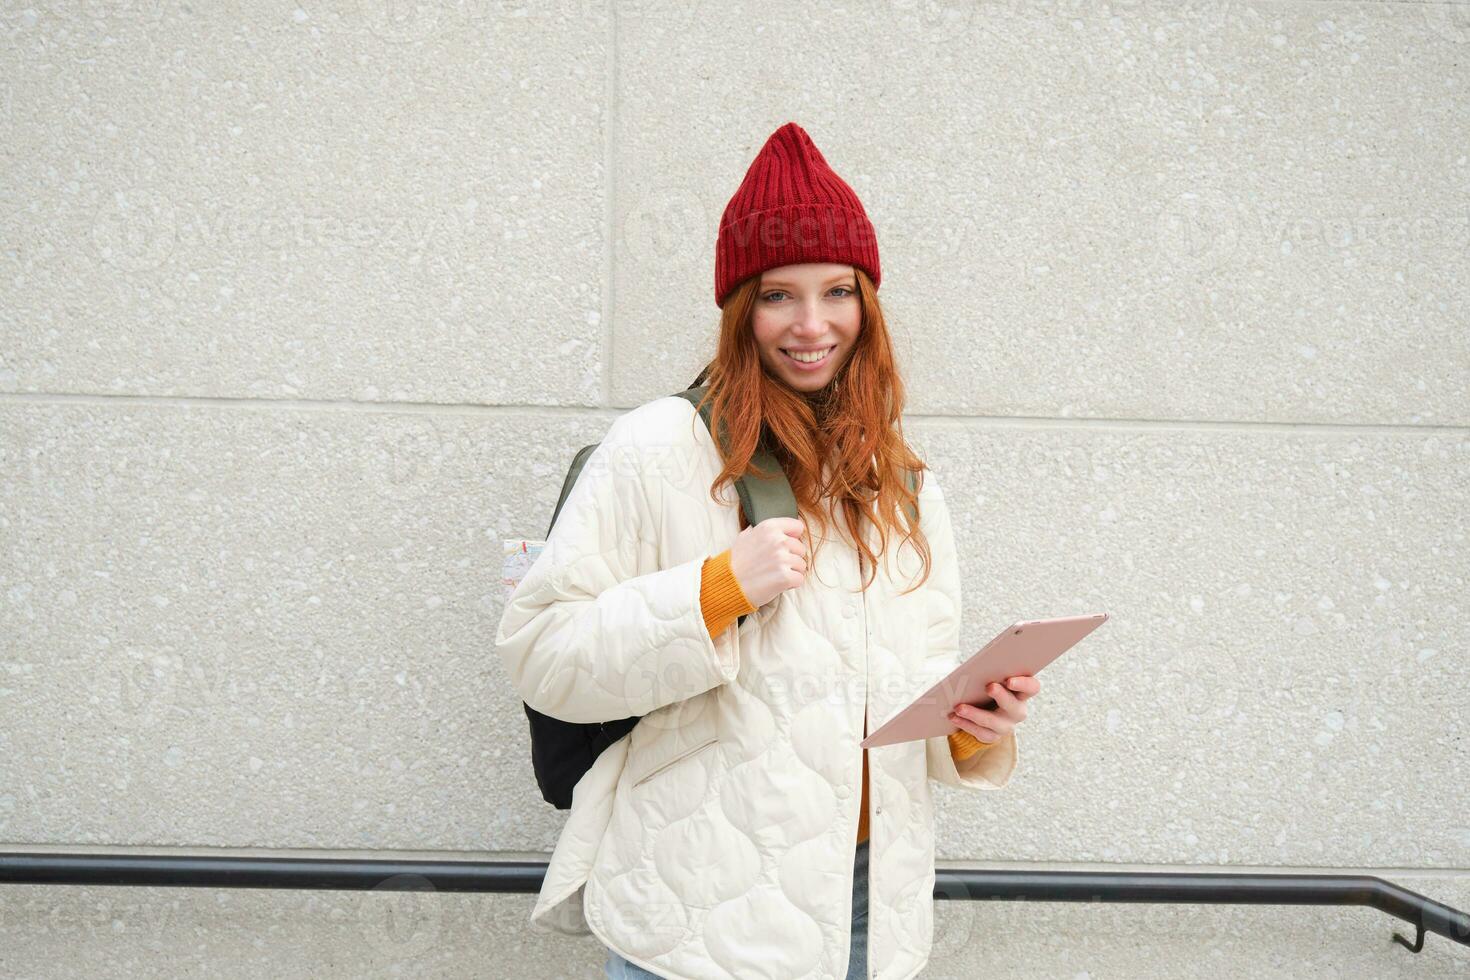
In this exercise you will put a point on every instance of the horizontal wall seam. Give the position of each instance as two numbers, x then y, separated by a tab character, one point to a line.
607	414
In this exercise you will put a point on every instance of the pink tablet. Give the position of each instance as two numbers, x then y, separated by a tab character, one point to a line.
1021	648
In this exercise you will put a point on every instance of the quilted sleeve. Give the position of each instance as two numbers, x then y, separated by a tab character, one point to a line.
992	768
596	631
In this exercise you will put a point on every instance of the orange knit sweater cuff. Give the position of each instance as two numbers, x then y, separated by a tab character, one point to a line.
720	595
962	745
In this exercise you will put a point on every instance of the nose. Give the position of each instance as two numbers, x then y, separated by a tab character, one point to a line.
809	324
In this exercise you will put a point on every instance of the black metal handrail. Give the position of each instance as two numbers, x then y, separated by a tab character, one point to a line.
952	884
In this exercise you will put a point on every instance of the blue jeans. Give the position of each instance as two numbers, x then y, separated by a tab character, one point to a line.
857	964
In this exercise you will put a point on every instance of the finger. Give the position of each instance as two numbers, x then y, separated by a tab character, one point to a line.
1005	700
1023	686
976	715
1009	708
983	732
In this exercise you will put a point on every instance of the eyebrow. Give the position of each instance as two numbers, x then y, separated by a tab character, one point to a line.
783	282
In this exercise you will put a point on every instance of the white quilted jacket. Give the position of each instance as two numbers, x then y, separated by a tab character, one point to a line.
716	839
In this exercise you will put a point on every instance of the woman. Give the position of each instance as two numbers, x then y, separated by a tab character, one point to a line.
728	832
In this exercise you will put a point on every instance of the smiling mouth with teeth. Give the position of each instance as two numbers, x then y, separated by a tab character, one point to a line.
808	357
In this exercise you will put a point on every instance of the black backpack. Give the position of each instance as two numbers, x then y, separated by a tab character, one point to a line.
563	751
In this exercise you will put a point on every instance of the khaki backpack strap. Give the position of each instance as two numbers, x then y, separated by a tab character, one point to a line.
765	497
761	498
912	477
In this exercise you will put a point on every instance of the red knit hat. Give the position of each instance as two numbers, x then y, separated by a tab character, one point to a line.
791	207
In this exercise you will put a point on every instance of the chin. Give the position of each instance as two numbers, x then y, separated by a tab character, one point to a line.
806	385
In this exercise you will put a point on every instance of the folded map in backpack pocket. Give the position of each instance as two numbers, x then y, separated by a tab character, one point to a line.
520	555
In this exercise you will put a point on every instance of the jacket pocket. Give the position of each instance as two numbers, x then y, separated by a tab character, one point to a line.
645	776
670	735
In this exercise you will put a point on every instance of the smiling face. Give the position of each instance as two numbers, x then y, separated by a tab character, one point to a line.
807	320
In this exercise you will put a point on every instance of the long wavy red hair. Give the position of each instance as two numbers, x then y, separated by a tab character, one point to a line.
854	424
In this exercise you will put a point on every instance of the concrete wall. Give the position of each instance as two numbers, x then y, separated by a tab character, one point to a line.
304	306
